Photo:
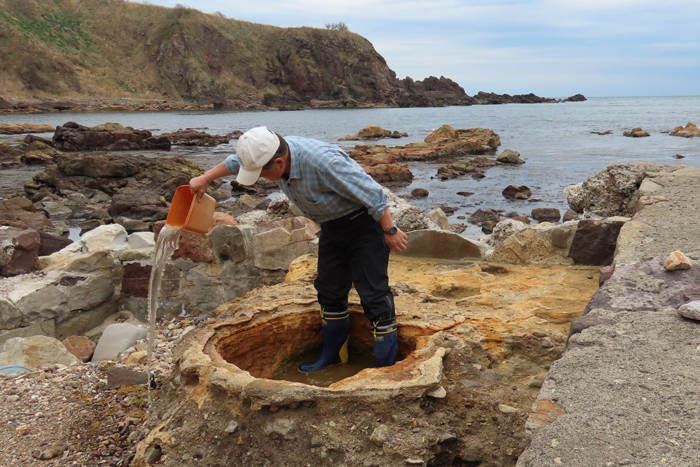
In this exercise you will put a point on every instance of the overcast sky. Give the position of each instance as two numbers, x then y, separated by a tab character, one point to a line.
554	48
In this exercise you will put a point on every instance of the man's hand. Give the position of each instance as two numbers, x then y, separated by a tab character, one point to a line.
198	186
396	242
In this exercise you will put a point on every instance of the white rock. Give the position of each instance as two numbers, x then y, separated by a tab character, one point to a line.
141	240
116	338
37	352
112	236
439	393
438	216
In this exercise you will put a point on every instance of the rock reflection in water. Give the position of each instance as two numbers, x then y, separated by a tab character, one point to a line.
357	362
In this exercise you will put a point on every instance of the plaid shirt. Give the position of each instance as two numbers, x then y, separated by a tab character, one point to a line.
324	182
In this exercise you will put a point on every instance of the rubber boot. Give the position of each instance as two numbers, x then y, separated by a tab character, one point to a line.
336	329
386	344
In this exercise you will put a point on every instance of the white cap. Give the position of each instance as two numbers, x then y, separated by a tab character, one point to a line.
255	149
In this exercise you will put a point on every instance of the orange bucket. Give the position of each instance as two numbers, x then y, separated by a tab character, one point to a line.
189	214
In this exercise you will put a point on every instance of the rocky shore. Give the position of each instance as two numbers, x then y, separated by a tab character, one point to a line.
482	322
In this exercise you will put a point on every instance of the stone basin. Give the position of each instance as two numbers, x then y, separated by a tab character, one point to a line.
476	340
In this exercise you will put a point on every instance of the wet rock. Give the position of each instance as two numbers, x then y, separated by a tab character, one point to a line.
191	137
457	169
19	251
136	279
610	192
419	193
510	157
606	132
546	214
35	352
104	175
517	192
108	136
19	128
373	132
677	261
145	206
80	346
482	215
594	242
636	133
116	338
569	215
576	98
690	130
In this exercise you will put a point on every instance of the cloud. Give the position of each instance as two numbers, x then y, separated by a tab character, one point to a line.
531	44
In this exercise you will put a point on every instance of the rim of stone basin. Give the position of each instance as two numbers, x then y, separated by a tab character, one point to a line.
267	336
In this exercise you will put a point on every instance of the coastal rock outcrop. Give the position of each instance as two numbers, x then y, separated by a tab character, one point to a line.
108	136
636	133
388	164
690	130
576	98
20	128
611	192
510	157
192	137
461	168
373	132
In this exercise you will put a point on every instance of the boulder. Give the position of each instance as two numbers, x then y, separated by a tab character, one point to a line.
108	237
594	242
483	215
438	216
420	193
372	132
636	133
442	245
52	243
690	130
194	246
517	192
191	137
542	244
677	261
108	136
116	338
611	192
80	346
506	228
19	251
100	176
276	244
10	315
141	240
141	205
36	352
546	214
457	169
510	157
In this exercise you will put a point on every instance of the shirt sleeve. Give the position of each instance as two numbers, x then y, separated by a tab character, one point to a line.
348	179
233	165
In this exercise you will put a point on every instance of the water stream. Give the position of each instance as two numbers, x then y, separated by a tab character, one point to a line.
168	241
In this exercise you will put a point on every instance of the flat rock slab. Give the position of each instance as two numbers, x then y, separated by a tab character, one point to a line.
647	286
440	245
629	392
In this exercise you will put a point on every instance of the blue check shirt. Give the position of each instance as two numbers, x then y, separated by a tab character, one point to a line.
324	182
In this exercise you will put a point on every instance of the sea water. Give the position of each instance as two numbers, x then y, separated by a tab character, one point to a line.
555	140
168	241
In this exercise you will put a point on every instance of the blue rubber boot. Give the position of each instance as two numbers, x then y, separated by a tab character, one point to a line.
336	329
386	344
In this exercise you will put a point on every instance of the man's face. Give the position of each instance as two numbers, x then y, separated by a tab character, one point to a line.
276	172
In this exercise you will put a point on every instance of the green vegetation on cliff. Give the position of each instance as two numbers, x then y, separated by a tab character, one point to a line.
72	49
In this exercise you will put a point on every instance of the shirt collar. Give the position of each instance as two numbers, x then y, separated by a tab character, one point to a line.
294	165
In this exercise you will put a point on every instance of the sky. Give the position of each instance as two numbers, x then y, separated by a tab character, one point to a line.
553	48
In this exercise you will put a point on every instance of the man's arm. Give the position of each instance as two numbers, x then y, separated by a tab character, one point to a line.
396	242
198	185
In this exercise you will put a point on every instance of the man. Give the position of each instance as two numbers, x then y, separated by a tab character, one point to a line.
357	231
